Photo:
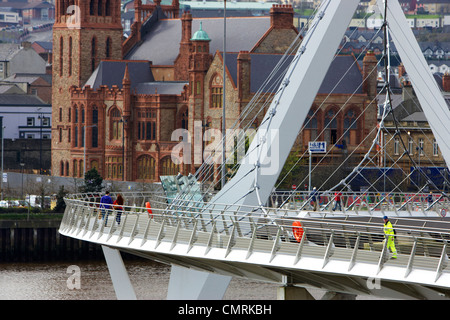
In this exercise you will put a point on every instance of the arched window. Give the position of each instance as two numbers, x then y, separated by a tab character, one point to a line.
92	8
75	168
99	8
94	136
115	124
107	8
216	92
183	118
94	164
62	168
168	167
67	168
350	127
146	168
330	126
311	126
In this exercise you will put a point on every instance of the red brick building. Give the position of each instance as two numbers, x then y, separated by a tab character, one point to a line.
117	104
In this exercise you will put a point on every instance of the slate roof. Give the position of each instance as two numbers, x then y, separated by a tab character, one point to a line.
242	34
111	73
263	64
8	50
29	77
20	100
166	87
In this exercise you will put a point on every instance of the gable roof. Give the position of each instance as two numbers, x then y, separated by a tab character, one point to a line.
344	67
161	45
111	72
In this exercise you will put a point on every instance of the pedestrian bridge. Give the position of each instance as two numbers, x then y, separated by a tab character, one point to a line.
340	252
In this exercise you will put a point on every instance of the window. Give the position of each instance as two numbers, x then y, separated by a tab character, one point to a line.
311	128
30	122
410	146
396	146
75	140
70	56
421	145
94	132
435	148
147	124
216	92
108	48
46	122
146	168
350	127
116	124
93	53
113	167
75	168
184	119
330	125
169	168
107	8
61	56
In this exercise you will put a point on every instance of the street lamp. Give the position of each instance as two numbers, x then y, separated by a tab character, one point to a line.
84	148
123	121
41	115
21	169
1	178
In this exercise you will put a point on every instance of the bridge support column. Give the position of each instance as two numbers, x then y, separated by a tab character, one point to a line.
189	284
119	275
293	293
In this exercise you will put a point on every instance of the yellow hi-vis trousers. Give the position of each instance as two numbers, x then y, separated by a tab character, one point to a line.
391	246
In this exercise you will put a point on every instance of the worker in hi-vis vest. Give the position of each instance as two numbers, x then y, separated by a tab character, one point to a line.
390	235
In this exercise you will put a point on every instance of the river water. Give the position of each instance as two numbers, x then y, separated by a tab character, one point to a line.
48	281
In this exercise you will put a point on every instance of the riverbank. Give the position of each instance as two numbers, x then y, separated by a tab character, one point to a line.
36	240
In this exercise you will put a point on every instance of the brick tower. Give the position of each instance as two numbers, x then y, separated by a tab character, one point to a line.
85	32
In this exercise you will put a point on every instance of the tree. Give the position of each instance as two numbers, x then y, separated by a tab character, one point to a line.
92	181
60	204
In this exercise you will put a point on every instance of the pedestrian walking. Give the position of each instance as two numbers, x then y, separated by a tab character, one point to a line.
314	198
389	233
118	203
430	199
337	200
105	206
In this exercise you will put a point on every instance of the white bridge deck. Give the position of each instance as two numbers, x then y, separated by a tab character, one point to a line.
339	252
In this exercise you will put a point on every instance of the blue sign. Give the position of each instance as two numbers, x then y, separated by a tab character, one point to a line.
317	146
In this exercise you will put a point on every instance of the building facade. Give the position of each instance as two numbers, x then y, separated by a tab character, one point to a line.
117	105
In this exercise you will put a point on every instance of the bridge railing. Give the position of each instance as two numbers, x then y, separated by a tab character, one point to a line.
420	243
355	201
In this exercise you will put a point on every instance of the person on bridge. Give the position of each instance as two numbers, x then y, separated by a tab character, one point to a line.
314	199
118	203
105	206
430	199
337	199
389	232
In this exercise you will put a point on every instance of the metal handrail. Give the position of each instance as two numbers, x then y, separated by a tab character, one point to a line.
239	230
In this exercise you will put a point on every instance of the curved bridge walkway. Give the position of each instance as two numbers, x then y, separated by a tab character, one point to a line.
338	252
